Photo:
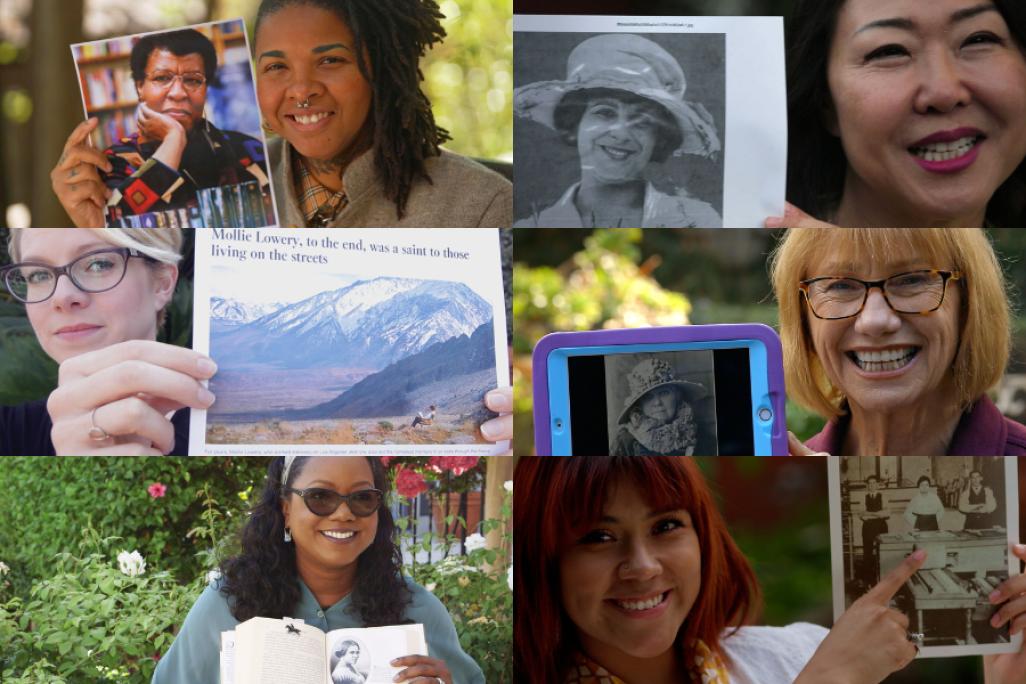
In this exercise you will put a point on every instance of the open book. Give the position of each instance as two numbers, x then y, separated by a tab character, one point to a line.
287	651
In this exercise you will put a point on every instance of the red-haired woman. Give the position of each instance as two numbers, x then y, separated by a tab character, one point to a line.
626	574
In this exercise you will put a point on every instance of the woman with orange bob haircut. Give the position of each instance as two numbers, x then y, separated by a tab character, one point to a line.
626	574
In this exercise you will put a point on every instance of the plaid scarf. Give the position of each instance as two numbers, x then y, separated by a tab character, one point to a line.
707	668
318	204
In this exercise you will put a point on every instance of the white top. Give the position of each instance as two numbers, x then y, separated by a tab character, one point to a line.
771	655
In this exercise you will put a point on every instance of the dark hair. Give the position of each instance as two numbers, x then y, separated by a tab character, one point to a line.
567	117
922	478
395	34
344	646
874	478
816	163
179	43
555	499
262	580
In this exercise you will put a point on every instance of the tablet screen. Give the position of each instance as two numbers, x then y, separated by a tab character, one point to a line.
692	402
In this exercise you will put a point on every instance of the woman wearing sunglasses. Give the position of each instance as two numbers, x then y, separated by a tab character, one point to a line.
319	545
896	335
95	299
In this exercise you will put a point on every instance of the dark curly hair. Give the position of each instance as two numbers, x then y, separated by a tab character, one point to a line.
262	580
178	43
568	113
395	34
816	163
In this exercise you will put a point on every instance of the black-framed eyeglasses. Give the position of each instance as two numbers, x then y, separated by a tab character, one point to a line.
96	271
324	502
191	81
915	292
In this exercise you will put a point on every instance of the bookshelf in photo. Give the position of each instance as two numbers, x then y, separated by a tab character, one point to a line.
105	76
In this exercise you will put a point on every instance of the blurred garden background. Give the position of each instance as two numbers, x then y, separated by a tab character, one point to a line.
101	558
569	280
468	79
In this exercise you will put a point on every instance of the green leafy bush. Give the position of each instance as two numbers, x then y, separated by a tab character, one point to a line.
89	621
605	285
475	590
52	500
74	616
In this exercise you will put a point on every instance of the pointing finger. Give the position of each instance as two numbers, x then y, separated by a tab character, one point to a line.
887	587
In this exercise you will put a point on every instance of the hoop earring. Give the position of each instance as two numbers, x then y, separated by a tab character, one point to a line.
288	535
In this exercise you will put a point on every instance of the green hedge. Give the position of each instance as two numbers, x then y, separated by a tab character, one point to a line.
47	502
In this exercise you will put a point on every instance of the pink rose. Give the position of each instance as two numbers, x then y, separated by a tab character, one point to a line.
410	483
156	490
385	460
456	464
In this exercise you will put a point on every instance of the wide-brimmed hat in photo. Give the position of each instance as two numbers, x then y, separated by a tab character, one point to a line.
649	374
636	65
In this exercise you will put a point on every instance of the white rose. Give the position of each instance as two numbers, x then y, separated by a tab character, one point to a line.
131	564
508	486
213	576
4	568
475	542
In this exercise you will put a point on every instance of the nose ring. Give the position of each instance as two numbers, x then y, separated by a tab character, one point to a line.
305	104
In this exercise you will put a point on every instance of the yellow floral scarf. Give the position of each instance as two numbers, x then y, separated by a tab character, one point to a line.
706	668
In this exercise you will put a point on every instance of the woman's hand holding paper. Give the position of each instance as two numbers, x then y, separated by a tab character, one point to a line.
115	401
422	670
795	218
870	640
1009	668
76	180
500	401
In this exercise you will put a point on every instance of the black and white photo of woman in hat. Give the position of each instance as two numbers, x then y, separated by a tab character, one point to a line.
658	416
623	108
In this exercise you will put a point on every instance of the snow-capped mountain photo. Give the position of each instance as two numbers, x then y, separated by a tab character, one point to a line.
394	342
368	324
351	342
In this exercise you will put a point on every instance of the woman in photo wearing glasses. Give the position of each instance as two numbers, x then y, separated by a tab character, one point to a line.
95	299
319	546
176	150
896	335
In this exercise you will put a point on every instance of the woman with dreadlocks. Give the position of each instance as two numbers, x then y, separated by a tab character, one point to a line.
339	82
319	545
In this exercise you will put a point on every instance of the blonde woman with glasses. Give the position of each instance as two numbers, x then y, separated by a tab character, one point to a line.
895	335
95	299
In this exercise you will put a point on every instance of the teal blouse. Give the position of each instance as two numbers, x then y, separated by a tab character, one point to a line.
193	657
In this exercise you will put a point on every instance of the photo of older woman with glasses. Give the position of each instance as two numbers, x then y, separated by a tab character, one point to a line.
171	151
896	336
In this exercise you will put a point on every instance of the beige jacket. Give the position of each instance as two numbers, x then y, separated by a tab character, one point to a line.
462	194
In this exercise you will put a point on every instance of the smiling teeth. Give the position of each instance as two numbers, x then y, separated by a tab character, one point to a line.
937	152
338	535
885	360
642	605
310	118
619	155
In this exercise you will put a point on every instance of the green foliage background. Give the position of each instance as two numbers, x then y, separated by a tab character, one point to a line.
68	615
49	502
469	77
